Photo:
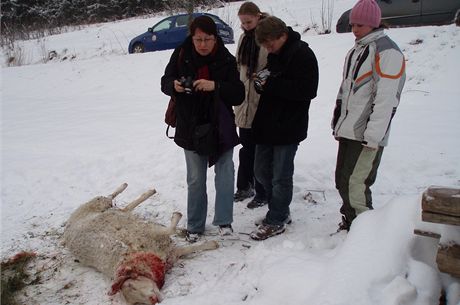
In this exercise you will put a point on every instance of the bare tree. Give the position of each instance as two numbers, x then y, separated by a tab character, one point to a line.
327	11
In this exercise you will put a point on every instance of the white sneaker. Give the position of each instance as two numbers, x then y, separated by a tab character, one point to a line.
192	237
225	230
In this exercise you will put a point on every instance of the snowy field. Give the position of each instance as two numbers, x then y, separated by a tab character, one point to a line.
77	128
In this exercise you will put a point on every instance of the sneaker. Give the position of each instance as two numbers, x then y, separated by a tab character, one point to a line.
261	220
265	231
192	237
344	225
257	203
241	195
225	230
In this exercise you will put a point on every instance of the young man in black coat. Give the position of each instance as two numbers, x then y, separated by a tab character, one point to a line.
287	86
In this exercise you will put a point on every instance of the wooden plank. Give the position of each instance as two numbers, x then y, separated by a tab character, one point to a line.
442	200
427	234
440	218
448	259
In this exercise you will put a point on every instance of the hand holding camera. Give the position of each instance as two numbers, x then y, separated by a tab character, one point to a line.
188	85
204	85
260	80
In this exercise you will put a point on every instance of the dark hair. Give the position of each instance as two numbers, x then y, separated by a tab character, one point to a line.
204	23
270	28
249	8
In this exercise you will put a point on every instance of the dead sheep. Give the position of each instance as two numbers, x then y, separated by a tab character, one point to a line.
134	253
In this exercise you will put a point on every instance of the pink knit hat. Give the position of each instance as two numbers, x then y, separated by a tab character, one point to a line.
366	12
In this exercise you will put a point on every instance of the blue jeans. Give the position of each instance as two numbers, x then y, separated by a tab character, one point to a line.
197	197
274	168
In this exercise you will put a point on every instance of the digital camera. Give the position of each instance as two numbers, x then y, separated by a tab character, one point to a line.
260	79
187	83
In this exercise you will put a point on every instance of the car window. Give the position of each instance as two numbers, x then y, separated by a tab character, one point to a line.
182	21
441	7
164	25
400	12
216	19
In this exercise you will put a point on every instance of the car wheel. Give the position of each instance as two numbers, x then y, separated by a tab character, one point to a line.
138	48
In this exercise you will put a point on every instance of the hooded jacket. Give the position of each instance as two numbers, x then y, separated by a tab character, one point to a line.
373	79
244	113
282	114
204	107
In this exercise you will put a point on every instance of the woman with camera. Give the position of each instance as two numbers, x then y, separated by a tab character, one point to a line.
251	58
203	78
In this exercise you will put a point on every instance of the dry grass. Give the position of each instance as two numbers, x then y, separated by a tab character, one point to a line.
14	276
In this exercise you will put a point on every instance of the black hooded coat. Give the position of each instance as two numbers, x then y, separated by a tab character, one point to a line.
282	114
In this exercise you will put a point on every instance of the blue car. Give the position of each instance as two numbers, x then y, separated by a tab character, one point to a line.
170	32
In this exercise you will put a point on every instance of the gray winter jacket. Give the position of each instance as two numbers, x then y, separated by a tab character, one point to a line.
244	113
373	79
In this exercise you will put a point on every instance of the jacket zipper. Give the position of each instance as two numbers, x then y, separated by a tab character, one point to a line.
351	84
357	62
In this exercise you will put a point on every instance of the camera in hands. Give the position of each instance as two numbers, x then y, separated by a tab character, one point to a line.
260	79
187	83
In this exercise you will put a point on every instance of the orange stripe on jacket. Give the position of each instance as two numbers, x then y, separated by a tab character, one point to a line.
379	71
363	76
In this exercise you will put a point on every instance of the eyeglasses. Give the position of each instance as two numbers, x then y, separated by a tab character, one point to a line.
201	40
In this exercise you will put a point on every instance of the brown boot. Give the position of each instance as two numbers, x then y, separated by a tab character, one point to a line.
265	231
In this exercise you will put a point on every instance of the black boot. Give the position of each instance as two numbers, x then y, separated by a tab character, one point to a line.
344	225
241	195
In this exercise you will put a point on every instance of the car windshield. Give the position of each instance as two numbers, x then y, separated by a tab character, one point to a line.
164	25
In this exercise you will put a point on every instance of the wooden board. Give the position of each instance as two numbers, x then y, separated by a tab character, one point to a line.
442	200
448	259
427	233
439	218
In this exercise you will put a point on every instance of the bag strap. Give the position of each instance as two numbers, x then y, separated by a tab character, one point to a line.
216	101
179	59
167	132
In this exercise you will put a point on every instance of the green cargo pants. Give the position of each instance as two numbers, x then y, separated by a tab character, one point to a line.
356	171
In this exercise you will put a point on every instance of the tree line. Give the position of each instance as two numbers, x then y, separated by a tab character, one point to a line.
20	18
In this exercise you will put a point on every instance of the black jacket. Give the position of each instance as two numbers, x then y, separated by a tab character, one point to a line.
282	114
199	107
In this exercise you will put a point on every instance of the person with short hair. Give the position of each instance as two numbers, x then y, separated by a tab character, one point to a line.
203	78
286	86
251	58
373	79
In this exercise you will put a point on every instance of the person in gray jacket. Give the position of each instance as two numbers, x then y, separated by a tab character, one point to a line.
251	58
373	79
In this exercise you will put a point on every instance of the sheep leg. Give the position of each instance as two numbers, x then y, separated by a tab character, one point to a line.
138	201
176	216
185	250
120	189
171	230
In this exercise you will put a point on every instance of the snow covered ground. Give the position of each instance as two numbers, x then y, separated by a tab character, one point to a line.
76	129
